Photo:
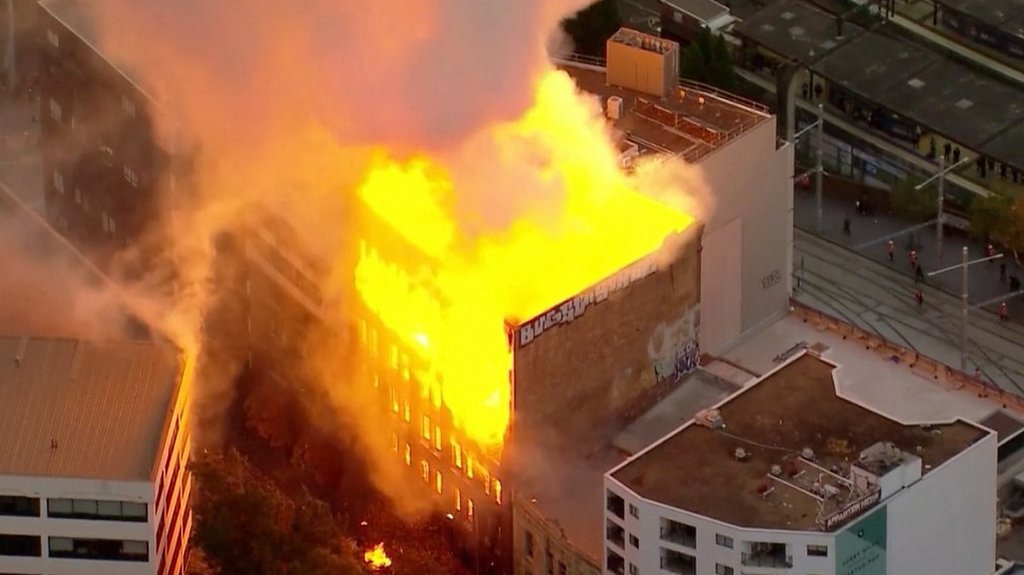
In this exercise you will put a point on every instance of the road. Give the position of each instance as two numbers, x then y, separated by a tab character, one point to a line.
877	298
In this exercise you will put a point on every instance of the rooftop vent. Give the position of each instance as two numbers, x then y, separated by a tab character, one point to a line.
614	108
776	470
741	454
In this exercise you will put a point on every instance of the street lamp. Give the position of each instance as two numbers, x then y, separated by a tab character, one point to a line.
940	216
818	169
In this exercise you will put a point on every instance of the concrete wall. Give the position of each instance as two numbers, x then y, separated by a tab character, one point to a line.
642	70
57	487
946	522
751	183
547	536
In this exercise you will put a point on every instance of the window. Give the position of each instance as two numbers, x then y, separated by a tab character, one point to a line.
128	106
633	569
55	109
131	176
19	506
456	454
96	509
615	533
817	550
408	454
676	562
615	504
633	511
458	499
406	410
634	541
723	569
53	38
529	545
677	16
58	181
616	564
469	466
678	533
469	508
723	540
107	549
108	223
20	545
425	470
497	491
437	437
437	481
426	427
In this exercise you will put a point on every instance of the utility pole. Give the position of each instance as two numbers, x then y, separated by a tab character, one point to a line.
818	166
964	305
941	200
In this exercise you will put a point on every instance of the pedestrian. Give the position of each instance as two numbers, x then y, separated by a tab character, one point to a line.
932	154
947	151
806	91
1002	273
956	154
918	274
919	297
846	227
979	166
817	91
1003	312
990	251
913	259
892	251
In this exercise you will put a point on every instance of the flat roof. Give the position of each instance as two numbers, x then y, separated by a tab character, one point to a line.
703	10
796	30
1004	424
103	405
882	63
692	122
793	408
998	13
75	16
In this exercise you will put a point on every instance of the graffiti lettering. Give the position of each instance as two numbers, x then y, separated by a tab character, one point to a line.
771	279
673	347
570	310
686	361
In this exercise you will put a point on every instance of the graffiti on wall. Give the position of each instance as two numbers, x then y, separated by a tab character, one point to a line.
673	347
577	306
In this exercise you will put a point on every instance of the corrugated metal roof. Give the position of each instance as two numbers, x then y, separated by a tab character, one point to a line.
72	408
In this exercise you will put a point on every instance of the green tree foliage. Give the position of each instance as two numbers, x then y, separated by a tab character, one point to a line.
912	204
707	59
591	27
988	216
245	524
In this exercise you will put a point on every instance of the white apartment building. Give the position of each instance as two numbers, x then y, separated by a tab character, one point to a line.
786	476
94	440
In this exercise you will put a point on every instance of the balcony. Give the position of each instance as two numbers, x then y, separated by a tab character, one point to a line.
615	533
616	563
676	562
678	533
772	555
616	504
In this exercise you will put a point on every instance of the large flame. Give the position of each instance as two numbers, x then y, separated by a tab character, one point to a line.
376	558
451	307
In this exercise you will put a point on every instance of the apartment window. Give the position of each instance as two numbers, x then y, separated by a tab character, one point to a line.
19	506
96	509
634	541
633	569
497	492
53	38
456	454
817	550
106	549
406	410
20	545
469	508
128	106
676	562
529	545
437	437
723	540
394	357
426	427
677	16
634	512
723	569
55	109
615	504
616	564
108	223
408	454
767	554
437	482
425	470
615	533
678	533
469	466
458	499
131	176
58	181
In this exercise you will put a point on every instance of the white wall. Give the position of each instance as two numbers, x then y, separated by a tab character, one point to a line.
46	487
751	182
946	522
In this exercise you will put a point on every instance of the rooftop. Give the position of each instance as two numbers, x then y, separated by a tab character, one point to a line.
796	30
693	122
793	408
72	408
1002	14
703	10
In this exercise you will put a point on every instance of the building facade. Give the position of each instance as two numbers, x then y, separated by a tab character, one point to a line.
93	478
803	490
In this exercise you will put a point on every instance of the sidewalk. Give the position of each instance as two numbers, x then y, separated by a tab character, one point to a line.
983	278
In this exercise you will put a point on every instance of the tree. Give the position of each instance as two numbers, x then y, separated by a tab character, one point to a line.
916	205
988	215
245	524
591	27
707	59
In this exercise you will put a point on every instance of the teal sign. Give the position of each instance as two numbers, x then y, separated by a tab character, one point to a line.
860	547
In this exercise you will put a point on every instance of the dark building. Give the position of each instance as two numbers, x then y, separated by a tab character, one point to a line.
681	20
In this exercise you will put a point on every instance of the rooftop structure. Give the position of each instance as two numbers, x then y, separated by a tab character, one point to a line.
81	409
642	62
797	30
794	431
691	122
706	11
1005	15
